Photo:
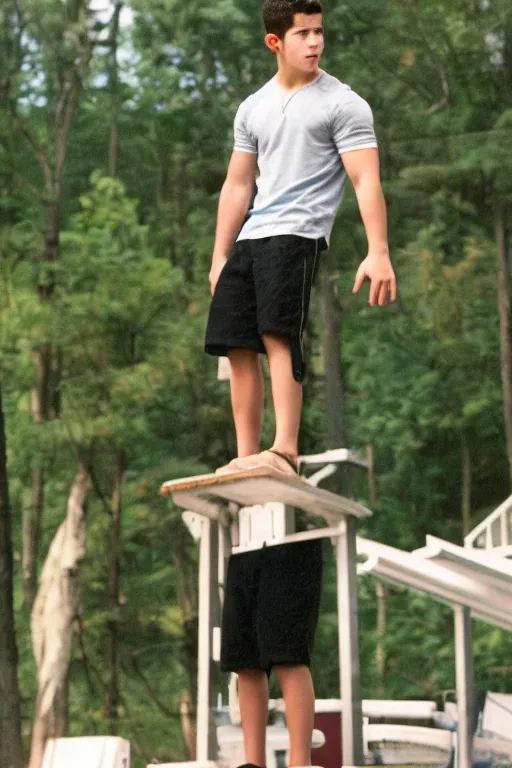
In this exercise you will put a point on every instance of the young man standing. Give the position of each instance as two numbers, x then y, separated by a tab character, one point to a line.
306	132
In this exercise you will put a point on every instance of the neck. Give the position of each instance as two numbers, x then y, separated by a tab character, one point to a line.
290	79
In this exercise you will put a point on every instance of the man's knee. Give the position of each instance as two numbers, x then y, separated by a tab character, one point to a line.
276	341
243	357
251	672
290	670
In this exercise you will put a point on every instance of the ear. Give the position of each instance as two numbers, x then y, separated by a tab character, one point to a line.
273	42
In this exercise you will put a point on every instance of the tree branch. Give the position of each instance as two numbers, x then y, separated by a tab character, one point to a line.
63	133
39	152
35	193
149	688
85	659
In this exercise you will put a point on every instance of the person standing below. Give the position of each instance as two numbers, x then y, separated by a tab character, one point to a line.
306	132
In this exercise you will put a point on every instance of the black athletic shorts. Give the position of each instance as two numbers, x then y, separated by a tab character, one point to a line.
264	288
271	606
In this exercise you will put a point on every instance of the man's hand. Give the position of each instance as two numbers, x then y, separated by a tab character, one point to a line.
377	268
218	264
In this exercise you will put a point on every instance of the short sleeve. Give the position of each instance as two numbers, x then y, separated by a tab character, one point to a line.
352	125
244	142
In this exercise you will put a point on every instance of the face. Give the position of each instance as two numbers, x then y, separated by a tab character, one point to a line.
303	44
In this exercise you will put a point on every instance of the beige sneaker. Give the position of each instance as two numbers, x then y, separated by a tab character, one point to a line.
228	468
274	459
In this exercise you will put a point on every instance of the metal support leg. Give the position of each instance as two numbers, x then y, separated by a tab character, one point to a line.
350	675
208	618
464	684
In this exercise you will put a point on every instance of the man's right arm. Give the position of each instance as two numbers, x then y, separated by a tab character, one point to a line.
235	199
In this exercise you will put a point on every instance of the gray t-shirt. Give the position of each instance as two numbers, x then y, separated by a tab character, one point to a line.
298	139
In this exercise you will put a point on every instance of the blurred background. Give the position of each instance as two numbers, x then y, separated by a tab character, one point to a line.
115	132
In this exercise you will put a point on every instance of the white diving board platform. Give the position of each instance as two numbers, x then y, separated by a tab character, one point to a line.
260	485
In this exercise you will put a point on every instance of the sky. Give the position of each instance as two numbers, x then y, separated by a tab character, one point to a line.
125	53
105	9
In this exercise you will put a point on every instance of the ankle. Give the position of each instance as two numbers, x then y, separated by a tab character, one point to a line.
292	454
243	452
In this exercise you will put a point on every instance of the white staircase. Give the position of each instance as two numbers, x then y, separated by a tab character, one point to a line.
495	532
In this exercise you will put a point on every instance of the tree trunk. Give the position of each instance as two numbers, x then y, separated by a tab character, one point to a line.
55	610
188	724
11	754
114	571
380	652
189	604
48	360
466	487
114	556
32	516
505	324
114	553
114	92
61	709
60	584
45	406
50	255
332	360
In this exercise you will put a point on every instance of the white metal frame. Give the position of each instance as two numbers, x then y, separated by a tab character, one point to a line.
495	531
471	583
469	580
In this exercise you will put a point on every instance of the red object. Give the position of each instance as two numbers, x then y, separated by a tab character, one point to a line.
328	756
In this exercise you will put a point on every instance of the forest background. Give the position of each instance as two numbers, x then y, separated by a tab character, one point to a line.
115	131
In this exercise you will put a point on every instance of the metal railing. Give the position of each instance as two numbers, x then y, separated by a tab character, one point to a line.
495	532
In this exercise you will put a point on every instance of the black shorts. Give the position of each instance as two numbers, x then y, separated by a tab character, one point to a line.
265	287
271	606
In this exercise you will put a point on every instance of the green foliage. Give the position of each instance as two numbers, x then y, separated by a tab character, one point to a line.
131	297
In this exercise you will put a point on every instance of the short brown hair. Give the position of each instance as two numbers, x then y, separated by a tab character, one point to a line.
278	14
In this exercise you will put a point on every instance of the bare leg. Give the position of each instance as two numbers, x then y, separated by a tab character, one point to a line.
247	398
287	395
299	697
253	697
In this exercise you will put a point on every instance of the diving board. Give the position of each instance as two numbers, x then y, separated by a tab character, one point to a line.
258	486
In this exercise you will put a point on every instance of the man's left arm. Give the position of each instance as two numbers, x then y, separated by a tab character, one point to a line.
363	169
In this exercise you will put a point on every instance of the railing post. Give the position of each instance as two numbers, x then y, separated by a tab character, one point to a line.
465	684
504	528
209	617
350	676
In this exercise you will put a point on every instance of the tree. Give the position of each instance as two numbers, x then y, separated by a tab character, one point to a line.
130	390
58	46
11	755
55	612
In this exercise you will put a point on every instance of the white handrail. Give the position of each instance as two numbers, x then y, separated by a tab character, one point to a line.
335	456
501	515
